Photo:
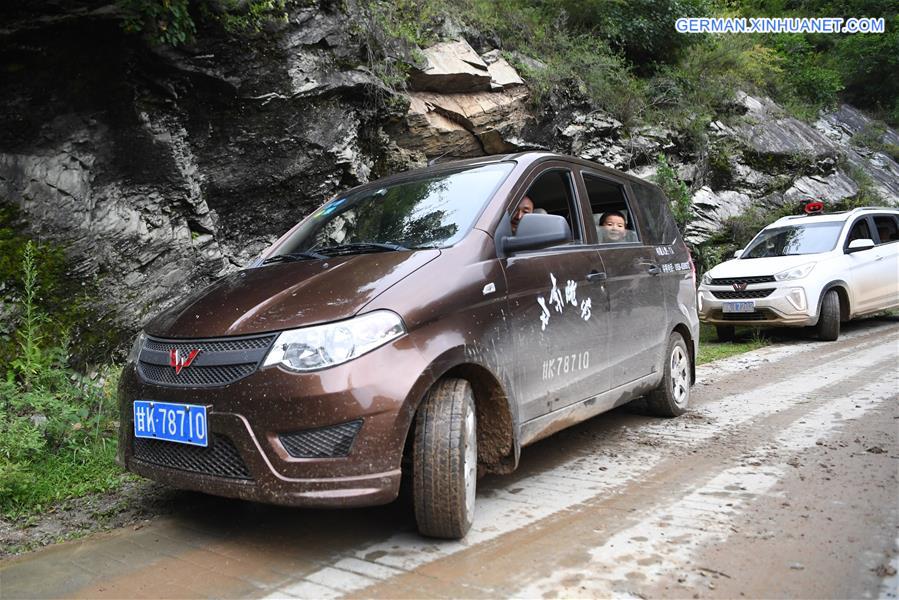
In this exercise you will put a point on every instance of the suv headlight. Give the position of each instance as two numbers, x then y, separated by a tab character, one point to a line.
795	272
321	346
706	279
136	347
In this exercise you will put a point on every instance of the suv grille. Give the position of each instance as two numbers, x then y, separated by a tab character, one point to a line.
746	280
324	442
220	458
727	294
218	362
759	315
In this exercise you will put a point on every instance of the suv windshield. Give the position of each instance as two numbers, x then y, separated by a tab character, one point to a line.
809	238
426	212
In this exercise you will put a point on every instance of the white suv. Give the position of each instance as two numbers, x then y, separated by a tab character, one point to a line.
806	270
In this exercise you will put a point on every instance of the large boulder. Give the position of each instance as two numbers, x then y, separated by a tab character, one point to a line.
463	104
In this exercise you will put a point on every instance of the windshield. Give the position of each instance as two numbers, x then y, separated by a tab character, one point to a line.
809	238
429	212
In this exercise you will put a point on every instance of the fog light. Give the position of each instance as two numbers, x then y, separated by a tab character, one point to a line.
797	298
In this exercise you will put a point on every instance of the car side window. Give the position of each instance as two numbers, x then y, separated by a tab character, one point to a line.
611	215
860	231
887	229
552	193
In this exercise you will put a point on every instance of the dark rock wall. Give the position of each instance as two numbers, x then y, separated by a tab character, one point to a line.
161	169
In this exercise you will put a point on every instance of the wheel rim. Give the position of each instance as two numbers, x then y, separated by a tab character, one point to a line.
680	376
471	460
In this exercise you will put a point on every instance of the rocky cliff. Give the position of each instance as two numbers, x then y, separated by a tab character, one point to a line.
163	169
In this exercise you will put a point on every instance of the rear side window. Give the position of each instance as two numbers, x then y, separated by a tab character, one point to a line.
611	215
887	229
659	226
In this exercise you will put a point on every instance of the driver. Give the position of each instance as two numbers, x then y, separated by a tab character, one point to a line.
525	207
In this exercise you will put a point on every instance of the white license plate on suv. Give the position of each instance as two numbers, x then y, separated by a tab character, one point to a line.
739	307
181	423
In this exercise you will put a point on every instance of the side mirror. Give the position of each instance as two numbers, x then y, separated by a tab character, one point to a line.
739	253
859	245
538	231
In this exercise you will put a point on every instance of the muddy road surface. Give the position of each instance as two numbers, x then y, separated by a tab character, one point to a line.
781	482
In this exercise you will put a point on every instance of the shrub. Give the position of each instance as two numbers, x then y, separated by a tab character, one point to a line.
52	419
677	192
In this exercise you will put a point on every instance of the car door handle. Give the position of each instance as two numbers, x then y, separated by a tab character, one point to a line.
653	269
596	276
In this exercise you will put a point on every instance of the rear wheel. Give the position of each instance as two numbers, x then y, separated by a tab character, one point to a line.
726	333
829	320
445	460
672	396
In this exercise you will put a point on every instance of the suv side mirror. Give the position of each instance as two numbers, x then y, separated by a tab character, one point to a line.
538	231
859	245
739	253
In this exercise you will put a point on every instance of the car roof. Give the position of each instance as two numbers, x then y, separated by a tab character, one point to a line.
831	217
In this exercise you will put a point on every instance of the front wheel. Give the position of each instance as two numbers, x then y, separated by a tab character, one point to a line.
445	460
672	396
829	319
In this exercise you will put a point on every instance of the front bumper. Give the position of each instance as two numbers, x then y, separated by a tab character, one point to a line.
788	306
253	422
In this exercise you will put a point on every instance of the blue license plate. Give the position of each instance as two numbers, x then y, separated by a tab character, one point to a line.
739	307
182	423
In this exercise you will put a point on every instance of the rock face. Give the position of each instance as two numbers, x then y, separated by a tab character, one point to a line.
767	159
161	170
462	104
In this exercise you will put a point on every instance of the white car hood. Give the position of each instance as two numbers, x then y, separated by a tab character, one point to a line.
753	267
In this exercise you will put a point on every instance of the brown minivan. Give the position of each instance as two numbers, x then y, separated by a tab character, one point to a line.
431	324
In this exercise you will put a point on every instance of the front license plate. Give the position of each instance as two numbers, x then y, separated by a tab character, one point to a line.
182	423
739	307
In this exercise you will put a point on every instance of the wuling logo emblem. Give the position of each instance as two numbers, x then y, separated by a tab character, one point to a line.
181	362
738	287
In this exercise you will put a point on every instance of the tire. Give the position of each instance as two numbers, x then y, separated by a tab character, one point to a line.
445	460
829	320
672	396
726	333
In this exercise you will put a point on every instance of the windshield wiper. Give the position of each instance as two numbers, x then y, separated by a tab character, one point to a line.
362	247
293	256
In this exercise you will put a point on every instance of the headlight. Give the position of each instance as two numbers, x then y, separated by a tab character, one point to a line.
795	273
323	346
706	279
134	353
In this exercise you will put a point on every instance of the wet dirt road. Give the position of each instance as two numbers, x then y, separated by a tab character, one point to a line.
782	482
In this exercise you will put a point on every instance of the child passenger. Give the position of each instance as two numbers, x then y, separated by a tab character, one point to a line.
612	227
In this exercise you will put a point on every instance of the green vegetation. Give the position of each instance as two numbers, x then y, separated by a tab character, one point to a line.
174	22
57	427
676	190
711	349
623	57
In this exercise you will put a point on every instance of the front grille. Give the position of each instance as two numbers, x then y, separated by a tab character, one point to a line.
759	315
746	280
220	458
218	361
727	294
253	343
324	442
195	376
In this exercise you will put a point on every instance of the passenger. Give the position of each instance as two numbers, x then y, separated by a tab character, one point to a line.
525	207
613	227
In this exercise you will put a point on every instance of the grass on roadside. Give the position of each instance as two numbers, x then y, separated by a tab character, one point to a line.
57	426
746	339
